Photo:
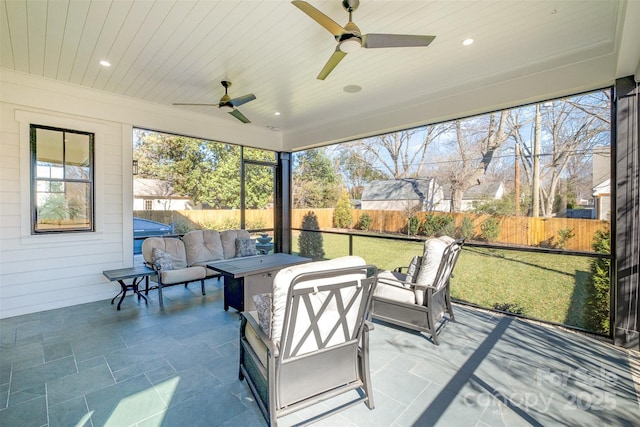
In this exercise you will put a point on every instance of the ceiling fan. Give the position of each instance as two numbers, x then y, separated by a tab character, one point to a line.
228	104
350	38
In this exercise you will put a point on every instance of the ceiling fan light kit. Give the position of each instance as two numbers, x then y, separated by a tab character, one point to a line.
350	45
350	38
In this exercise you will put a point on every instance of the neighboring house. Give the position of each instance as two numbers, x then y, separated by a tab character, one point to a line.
157	195
602	199
475	195
600	181
423	194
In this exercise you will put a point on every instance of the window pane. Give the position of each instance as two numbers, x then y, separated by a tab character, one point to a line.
49	152
42	186
70	210
77	156
259	196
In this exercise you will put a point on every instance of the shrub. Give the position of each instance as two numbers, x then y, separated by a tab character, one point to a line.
182	225
490	229
310	242
467	229
225	224
438	225
342	215
364	223
563	236
413	225
448	227
596	314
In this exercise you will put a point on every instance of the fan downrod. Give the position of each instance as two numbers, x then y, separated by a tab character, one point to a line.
350	5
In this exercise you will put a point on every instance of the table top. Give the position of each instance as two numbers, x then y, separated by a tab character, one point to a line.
241	267
128	273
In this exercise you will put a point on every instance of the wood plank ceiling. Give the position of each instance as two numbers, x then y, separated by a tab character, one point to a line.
179	50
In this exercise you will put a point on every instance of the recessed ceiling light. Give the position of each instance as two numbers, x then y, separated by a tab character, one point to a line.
277	113
105	63
467	42
352	88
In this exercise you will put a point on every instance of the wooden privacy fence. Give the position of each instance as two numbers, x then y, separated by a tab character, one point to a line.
512	230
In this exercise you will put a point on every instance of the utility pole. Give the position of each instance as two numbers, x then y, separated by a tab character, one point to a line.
517	179
535	191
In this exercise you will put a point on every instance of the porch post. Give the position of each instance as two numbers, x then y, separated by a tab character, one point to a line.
283	204
626	240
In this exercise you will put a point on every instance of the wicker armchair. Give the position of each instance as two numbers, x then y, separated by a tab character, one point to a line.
419	299
311	343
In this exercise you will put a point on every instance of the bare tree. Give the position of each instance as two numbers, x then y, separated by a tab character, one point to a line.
570	129
476	142
357	166
402	154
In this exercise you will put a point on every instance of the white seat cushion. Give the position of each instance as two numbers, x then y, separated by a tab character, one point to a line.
188	274
394	291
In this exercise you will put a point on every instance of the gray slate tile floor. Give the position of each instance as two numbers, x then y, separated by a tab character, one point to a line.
90	365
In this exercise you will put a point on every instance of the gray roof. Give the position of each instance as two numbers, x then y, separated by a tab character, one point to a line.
486	190
147	187
399	189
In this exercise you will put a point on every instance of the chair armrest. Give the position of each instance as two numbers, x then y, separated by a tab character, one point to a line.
368	326
152	266
399	269
396	282
273	349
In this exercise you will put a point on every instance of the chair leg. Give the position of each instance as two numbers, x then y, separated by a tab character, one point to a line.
449	308
243	324
160	293
366	371
432	327
202	286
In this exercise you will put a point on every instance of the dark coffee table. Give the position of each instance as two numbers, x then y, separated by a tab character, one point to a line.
249	276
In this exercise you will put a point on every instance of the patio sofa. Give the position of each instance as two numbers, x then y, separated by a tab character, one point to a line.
184	260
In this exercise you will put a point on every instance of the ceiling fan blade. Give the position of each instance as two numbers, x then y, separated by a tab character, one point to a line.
236	102
206	105
331	63
238	115
322	19
372	41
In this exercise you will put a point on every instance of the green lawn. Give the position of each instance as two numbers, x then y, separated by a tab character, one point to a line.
548	287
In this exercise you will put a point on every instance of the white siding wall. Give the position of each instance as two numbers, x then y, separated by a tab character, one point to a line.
51	271
162	204
390	205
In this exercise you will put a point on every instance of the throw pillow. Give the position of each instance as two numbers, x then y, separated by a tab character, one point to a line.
413	269
162	260
246	247
263	307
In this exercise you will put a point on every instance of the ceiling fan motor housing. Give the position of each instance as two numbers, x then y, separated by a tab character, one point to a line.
350	5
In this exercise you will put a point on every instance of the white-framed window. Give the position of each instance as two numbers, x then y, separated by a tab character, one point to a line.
148	205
